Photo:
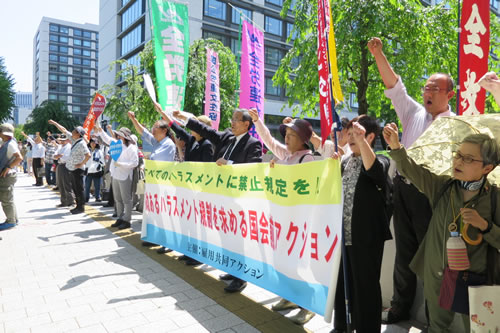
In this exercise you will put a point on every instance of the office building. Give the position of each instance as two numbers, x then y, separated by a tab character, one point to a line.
23	107
65	62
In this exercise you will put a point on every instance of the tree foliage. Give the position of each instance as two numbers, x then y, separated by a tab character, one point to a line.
7	94
418	40
55	110
130	95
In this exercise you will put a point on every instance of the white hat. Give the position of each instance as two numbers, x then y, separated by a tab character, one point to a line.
7	129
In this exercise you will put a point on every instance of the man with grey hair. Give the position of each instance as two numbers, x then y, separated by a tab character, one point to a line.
232	146
79	155
10	157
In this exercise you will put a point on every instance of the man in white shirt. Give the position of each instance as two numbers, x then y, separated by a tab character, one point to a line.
412	211
38	150
10	157
63	176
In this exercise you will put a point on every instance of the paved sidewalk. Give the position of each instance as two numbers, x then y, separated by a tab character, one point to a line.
66	273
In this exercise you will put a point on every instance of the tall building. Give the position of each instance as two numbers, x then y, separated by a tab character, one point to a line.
65	62
23	107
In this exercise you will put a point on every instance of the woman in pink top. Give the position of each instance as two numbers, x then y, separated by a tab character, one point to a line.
297	135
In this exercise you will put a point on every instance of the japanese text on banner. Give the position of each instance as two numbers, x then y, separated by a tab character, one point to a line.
212	90
252	71
171	47
278	228
474	51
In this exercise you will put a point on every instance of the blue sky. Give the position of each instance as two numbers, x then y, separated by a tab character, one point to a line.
19	20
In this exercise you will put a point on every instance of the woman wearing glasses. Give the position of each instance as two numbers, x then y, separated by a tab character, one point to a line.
462	220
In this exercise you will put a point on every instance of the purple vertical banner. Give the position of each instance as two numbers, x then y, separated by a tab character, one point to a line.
212	91
252	71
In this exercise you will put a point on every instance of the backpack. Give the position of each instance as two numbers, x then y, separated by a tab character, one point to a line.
387	192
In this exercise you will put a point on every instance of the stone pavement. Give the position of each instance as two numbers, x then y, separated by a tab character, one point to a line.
66	273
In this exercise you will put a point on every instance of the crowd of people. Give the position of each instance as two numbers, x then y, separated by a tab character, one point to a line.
424	204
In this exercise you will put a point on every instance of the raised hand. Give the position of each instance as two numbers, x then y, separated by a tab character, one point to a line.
391	136
375	46
358	132
287	120
254	114
131	115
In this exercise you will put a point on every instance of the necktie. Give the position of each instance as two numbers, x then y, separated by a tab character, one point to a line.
229	149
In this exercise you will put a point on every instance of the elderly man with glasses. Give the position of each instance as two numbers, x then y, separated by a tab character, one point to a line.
412	211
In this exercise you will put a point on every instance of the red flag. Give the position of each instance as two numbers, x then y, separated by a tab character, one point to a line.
474	51
325	101
96	109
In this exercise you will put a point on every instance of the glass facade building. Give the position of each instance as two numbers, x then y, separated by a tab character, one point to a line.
65	64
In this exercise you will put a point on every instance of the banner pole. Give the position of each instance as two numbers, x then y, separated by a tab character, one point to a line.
347	296
458	58
238	61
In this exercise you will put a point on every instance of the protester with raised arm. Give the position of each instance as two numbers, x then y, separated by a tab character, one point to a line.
412	211
121	170
78	157
232	146
38	155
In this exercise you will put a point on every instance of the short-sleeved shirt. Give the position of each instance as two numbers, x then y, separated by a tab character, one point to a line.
9	151
77	154
163	150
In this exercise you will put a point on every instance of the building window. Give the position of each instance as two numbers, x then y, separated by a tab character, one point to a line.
273	56
52	77
86	72
53	48
77	42
494	4
275	2
63	30
76	108
124	2
270	89
235	46
52	68
77	61
54	38
215	9
63	69
86	81
86	43
54	28
63	49
77	32
63	78
63	39
86	53
353	101
135	60
214	35
63	98
52	87
52	97
132	14
289	29
52	57
86	62
87	34
273	26
235	15
133	39
77	51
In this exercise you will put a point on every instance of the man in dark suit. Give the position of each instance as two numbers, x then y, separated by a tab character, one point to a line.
232	146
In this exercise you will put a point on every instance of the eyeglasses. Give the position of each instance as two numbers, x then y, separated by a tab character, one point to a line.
432	90
466	159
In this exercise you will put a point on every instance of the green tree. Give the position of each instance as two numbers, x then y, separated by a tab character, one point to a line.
130	95
55	110
418	40
7	94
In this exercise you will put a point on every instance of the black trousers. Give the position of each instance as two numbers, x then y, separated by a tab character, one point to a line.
77	183
363	267
412	213
37	163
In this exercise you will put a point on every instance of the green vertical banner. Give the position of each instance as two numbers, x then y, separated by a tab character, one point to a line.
170	28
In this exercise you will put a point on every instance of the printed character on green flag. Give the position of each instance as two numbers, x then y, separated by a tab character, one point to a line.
170	28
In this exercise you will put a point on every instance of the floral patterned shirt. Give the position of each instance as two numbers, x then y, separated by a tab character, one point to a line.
350	177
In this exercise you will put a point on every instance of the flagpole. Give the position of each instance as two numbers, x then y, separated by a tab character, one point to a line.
332	101
347	296
458	58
